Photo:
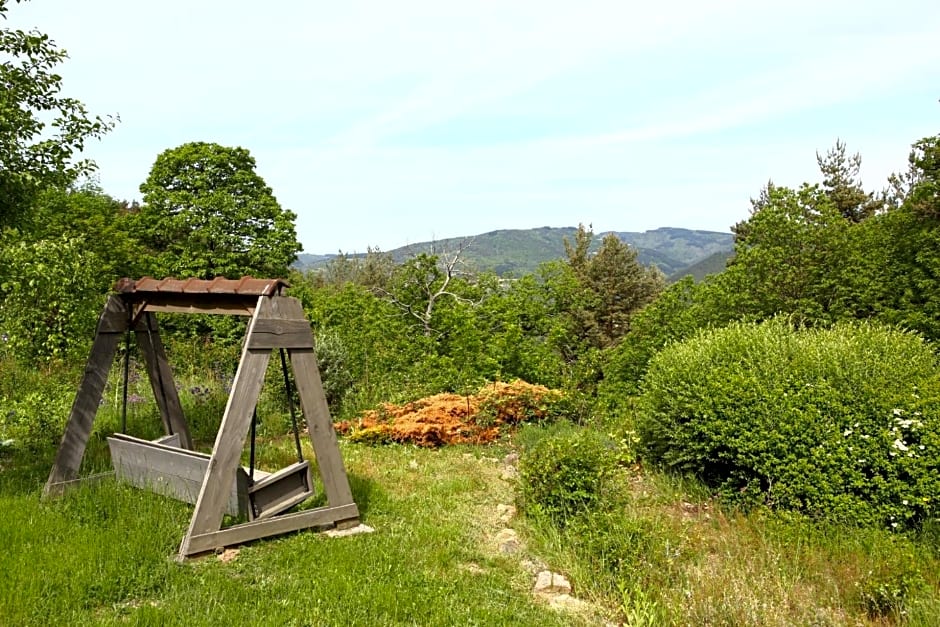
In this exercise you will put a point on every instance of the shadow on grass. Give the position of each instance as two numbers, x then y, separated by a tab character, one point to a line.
24	472
363	489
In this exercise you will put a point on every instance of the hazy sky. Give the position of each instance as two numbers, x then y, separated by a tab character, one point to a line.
387	123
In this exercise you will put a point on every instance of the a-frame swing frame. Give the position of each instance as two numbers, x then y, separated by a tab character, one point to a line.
277	322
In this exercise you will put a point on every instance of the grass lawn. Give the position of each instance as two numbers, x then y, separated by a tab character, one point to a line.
104	554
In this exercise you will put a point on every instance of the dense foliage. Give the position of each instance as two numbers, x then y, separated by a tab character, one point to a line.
836	423
207	213
563	473
41	130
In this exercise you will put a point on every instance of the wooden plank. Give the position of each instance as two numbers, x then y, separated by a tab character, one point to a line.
316	412
280	491
161	379
72	447
171	471
246	532
63	486
268	334
169	440
230	439
202	308
320	427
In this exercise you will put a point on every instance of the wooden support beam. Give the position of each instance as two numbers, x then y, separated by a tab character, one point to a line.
202	308
161	379
207	516
111	324
317	414
269	334
246	532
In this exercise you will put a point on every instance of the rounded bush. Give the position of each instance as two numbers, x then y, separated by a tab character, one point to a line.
841	423
562	473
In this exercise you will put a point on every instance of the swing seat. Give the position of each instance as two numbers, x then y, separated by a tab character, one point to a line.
279	491
163	467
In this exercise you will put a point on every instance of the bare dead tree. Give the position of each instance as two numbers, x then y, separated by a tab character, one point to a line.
426	282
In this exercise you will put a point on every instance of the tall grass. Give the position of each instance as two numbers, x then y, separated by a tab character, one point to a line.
663	551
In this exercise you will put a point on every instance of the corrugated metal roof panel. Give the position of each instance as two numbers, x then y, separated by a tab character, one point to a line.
245	286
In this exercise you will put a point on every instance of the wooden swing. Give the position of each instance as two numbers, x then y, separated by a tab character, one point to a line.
215	483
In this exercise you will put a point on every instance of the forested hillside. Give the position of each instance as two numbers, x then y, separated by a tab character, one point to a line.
520	252
758	446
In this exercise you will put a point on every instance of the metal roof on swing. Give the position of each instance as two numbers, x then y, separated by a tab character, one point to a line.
214	296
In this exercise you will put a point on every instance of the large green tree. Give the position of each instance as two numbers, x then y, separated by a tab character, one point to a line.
41	131
611	286
208	213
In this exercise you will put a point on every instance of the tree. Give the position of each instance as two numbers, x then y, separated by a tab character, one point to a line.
421	283
207	213
924	195
103	224
373	270
41	131
622	286
842	185
51	296
612	285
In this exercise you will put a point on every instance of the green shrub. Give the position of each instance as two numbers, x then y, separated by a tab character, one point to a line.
889	594
34	421
333	359
563	472
51	294
842	424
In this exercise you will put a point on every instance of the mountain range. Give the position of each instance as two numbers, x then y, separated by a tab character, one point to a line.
516	252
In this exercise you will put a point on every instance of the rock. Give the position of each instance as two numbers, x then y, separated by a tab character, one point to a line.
473	569
228	555
505	512
508	541
352	531
567	603
547	582
533	565
511	459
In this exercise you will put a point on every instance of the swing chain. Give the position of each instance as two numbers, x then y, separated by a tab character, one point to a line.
290	404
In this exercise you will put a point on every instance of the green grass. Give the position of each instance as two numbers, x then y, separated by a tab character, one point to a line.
103	555
657	551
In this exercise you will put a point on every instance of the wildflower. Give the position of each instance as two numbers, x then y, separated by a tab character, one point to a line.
847	433
897	412
5	337
900	445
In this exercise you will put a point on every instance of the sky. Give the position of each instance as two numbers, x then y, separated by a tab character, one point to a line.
387	123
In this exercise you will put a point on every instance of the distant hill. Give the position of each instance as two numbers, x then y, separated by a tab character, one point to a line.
713	264
517	252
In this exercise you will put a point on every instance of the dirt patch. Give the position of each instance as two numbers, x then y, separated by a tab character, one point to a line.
453	418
